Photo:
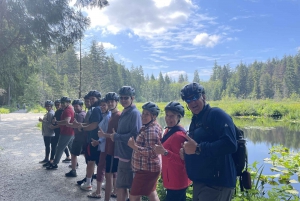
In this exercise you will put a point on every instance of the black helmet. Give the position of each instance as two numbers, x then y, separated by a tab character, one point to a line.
191	89
94	93
48	102
127	91
112	96
176	107
77	102
103	100
57	101
65	99
152	108
86	97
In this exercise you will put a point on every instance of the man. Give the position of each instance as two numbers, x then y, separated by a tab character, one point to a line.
129	126
66	133
208	150
92	153
79	138
111	168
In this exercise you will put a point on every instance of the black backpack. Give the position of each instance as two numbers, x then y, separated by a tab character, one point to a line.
240	157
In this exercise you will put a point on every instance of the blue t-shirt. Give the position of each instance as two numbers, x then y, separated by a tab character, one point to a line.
95	117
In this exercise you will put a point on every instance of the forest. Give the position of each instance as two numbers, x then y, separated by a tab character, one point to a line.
40	60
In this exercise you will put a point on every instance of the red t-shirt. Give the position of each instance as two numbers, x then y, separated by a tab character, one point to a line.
68	112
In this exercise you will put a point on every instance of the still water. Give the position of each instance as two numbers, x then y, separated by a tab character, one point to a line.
261	135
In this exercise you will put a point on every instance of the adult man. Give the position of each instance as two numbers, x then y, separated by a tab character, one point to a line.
208	159
129	126
66	133
79	138
92	153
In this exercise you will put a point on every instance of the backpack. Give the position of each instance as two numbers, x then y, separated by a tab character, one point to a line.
240	157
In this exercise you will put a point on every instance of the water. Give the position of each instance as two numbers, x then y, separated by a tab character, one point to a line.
261	135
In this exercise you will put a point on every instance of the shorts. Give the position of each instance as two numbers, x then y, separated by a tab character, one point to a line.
144	182
111	165
125	175
76	147
92	153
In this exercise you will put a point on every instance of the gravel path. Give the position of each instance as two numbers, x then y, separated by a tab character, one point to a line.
22	178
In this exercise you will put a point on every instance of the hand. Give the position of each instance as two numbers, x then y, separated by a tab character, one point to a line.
95	142
40	119
181	152
75	122
190	145
112	136
101	133
131	143
159	148
53	120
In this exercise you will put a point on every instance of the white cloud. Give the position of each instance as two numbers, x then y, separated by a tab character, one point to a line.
298	48
143	18
108	46
155	67
206	40
174	74
130	35
196	56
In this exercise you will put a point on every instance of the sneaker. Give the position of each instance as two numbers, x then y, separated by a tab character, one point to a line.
81	181
47	164
72	173
44	161
67	160
94	176
52	167
86	187
103	185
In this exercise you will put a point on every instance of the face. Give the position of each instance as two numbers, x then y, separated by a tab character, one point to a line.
103	107
126	101
63	105
93	100
48	107
171	118
146	117
195	103
57	106
87	103
77	108
111	104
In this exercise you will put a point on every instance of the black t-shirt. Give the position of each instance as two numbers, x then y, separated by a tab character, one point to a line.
57	115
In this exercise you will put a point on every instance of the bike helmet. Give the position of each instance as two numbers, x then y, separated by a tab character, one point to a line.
191	89
65	99
152	108
48	102
127	91
57	101
176	107
77	102
112	96
94	93
103	100
86	97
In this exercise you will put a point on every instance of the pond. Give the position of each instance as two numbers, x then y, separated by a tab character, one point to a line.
262	134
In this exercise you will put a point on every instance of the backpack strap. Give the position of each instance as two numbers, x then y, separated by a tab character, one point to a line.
171	132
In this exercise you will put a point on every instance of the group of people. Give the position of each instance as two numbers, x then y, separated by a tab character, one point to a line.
132	151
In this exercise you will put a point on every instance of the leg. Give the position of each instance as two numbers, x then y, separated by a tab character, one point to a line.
67	152
122	194
153	196
205	192
135	198
179	195
47	141
108	186
54	141
73	161
62	144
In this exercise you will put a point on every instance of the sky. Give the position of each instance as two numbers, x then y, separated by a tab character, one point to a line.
180	36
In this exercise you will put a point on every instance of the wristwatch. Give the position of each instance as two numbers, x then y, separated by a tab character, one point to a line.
198	149
166	153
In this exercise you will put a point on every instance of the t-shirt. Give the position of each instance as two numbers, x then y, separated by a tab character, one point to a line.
96	116
57	115
68	112
79	136
112	124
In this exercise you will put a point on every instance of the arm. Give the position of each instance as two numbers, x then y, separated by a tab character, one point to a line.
64	122
177	139
135	127
226	144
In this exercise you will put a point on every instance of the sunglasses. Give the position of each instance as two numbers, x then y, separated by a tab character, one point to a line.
124	98
188	100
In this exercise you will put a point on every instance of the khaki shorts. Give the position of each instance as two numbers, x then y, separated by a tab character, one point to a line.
125	175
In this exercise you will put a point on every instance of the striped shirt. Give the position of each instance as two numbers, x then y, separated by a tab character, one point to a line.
145	158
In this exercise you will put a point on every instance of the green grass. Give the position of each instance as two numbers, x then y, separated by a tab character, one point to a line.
36	109
7	109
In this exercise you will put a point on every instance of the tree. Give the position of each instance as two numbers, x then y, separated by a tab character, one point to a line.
196	77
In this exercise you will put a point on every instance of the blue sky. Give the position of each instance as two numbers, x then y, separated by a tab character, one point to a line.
181	36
